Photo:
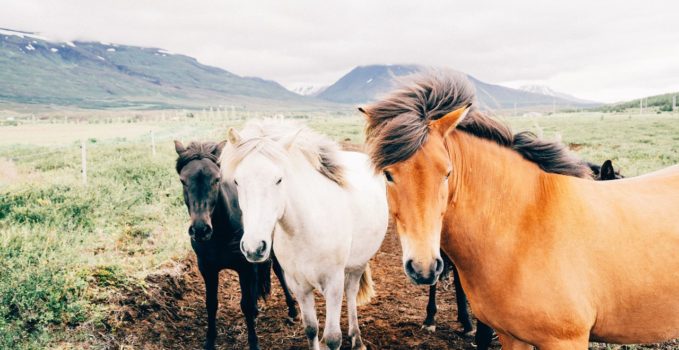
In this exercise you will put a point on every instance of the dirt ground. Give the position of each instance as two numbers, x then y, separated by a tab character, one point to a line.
175	317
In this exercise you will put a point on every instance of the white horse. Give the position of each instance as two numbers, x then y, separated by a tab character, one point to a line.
324	209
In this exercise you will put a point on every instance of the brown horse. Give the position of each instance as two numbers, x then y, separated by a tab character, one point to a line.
542	260
484	334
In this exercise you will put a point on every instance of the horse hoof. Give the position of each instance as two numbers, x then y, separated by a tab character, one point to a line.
464	332
429	328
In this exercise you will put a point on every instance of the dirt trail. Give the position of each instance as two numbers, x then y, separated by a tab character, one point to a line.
175	319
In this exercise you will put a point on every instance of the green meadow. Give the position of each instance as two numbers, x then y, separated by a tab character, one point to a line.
67	247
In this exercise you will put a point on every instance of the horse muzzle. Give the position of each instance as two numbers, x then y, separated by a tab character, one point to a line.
257	254
200	232
424	275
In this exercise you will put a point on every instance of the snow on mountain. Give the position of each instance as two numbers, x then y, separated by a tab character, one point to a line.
539	89
308	90
547	91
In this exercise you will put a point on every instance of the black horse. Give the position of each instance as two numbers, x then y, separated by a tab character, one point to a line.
605	172
484	334
216	231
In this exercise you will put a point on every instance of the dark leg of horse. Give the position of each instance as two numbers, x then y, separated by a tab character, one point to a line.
430	321
461	298
211	278
484	335
289	300
248	302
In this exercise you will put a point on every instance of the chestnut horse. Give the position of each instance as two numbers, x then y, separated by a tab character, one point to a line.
484	334
543	262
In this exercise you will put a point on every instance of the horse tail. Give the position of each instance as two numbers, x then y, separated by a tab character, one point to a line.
366	288
264	280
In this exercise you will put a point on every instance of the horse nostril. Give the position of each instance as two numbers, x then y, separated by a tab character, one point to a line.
409	267
242	246
262	247
439	266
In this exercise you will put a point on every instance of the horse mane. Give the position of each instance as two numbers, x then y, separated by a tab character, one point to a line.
398	125
268	137
195	151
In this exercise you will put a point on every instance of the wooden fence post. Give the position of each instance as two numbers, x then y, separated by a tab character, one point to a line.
153	143
83	156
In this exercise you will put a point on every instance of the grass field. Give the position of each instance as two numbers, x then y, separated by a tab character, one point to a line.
65	248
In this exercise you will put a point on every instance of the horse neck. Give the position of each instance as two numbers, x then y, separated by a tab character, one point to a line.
494	197
226	216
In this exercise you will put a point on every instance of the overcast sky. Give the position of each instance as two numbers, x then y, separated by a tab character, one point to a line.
600	50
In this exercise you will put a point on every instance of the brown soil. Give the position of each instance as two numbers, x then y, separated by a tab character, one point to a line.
170	313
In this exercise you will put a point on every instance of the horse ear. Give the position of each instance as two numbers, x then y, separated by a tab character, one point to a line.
179	147
451	120
218	149
607	171
289	140
360	109
233	136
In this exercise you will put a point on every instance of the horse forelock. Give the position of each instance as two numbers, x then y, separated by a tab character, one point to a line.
398	125
196	151
266	137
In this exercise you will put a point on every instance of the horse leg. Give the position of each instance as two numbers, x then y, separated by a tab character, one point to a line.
461	299
510	343
484	335
566	344
351	287
289	300
333	292
430	320
305	299
248	303
211	279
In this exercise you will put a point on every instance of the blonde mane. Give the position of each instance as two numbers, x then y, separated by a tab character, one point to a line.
278	140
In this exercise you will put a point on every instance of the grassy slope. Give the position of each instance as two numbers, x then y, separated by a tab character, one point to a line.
56	73
65	248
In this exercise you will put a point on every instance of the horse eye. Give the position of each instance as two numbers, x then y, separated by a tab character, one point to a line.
235	182
279	181
387	175
448	174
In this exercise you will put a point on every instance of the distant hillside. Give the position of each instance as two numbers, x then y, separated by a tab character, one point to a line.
660	102
367	83
35	70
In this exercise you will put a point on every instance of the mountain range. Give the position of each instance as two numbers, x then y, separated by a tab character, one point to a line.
367	83
35	70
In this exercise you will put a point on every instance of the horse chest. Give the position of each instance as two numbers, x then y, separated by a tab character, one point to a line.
218	255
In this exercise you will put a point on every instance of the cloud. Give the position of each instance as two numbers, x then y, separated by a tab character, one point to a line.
600	50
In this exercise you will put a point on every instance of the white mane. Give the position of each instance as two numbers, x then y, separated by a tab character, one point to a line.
279	140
